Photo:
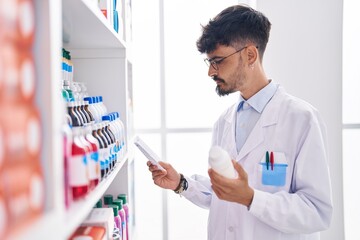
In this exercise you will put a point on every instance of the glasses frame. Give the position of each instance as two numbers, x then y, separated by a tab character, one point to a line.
214	62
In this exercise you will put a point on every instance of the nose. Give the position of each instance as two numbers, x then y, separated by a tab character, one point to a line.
212	71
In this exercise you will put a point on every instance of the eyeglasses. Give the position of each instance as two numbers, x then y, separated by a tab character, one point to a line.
215	62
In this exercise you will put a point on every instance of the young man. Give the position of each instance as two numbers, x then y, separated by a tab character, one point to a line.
277	141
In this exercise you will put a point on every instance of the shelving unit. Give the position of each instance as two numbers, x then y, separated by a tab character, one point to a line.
101	61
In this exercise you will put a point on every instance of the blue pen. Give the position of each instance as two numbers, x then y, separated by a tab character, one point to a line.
267	160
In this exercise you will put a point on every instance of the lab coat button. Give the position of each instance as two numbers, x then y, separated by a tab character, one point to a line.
231	229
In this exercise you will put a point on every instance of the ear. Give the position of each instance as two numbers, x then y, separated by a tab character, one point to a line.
252	54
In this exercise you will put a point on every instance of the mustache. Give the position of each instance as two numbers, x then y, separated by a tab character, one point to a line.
216	78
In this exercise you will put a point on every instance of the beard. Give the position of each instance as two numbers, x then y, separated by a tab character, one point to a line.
235	81
222	91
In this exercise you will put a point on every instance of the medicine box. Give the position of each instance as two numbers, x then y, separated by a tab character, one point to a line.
102	217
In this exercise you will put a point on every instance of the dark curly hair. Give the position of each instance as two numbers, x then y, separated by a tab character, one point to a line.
234	26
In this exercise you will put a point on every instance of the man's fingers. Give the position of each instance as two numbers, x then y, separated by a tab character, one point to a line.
239	169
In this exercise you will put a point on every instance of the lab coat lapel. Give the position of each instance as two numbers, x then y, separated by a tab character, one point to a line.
268	117
229	143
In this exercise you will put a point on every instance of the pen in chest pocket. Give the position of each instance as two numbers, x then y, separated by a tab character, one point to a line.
270	160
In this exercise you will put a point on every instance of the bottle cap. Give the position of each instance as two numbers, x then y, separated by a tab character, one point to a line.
119	203
108	199
106	118
123	197
89	99
98	204
115	209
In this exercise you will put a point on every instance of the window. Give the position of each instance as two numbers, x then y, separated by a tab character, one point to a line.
351	119
175	107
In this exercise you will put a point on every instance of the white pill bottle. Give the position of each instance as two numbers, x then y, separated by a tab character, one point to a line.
220	161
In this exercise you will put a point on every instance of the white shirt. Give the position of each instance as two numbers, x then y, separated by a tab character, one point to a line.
297	208
249	111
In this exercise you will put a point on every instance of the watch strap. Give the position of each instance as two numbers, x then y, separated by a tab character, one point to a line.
183	185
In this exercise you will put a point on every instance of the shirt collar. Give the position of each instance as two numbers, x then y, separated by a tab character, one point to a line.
261	98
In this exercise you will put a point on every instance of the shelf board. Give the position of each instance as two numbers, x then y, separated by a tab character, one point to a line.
79	210
70	220
84	26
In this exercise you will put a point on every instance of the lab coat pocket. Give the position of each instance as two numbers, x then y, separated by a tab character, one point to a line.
273	169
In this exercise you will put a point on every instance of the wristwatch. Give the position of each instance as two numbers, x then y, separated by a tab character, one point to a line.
183	185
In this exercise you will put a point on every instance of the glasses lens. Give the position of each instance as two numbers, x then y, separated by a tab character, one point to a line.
211	63
214	65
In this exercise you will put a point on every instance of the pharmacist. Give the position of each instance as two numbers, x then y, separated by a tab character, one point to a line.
277	141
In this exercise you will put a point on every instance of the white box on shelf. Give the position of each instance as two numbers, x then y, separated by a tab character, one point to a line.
103	217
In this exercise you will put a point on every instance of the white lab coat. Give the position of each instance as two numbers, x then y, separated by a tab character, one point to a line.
299	209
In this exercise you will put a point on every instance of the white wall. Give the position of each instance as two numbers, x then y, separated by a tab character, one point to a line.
305	55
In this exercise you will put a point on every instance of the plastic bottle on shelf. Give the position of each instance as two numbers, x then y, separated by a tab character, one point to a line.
70	68
63	66
221	162
67	93
123	136
92	109
102	151
75	118
66	65
122	214
123	197
106	151
106	121
86	108
102	105
75	114
90	152
77	106
98	108
78	167
89	119
117	133
117	219
113	140
67	142
94	163
108	141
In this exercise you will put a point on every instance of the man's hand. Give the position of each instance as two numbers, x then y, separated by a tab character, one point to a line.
168	179
232	190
